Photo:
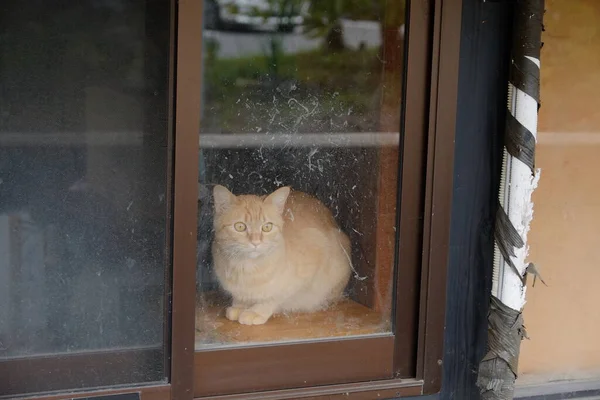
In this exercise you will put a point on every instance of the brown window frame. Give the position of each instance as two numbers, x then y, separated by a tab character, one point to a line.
427	156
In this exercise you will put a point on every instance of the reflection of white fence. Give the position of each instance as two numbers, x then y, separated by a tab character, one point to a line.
257	140
208	140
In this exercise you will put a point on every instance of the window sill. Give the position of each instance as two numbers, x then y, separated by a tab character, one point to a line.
345	319
384	389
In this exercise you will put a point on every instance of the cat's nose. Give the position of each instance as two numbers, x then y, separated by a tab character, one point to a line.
255	239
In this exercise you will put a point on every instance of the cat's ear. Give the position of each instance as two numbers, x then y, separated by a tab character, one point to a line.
278	198
223	198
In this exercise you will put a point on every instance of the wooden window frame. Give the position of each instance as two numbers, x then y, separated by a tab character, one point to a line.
427	157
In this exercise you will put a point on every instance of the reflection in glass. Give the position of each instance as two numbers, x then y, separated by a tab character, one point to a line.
83	166
305	94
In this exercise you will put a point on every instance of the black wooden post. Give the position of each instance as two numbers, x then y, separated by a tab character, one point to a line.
484	55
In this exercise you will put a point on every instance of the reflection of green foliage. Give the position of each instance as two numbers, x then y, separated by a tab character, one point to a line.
393	12
274	54
324	20
324	17
285	8
390	12
279	8
324	77
364	10
212	50
313	67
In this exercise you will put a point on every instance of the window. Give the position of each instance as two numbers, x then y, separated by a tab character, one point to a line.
84	166
315	108
130	130
324	120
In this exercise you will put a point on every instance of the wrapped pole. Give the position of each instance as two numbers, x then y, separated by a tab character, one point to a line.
498	369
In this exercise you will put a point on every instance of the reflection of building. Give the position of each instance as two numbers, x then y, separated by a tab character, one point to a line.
256	14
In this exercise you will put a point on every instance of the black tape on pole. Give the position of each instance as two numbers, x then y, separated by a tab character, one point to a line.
507	239
527	39
526	76
498	369
519	142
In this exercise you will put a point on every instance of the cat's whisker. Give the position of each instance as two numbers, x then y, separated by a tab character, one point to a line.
356	275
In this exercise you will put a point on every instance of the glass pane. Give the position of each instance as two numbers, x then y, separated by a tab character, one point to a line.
305	95
83	176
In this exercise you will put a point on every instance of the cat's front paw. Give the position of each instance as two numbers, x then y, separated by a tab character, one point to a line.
249	317
233	313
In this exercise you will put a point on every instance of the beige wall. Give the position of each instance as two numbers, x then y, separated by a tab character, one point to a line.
563	319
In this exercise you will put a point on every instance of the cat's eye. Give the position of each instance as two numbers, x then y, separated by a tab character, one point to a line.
268	227
239	226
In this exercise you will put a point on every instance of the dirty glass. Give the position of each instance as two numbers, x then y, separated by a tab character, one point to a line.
305	95
83	176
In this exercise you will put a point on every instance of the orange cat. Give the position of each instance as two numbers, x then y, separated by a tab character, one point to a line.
277	253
